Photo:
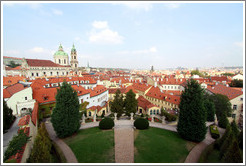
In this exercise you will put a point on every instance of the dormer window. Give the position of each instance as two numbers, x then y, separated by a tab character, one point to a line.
45	97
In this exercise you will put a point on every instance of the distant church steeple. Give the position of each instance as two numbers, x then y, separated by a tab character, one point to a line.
74	62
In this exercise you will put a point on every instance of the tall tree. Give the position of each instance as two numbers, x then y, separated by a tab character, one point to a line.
234	128
191	124
233	154
41	148
223	121
222	104
236	83
130	103
117	104
65	117
8	117
210	109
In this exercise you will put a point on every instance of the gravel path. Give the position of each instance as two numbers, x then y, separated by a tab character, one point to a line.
124	141
68	153
196	152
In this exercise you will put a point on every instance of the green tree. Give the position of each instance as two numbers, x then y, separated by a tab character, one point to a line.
13	64
233	154
226	144
222	105
8	117
65	117
228	74
16	144
240	140
236	83
117	104
223	121
197	72
41	151
130	103
162	111
192	122
234	128
219	142
210	109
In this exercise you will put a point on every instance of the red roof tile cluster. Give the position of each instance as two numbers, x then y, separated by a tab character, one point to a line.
155	92
98	108
11	57
9	91
16	68
35	113
10	80
123	80
144	103
172	81
231	93
42	63
24	120
97	90
219	78
141	86
45	95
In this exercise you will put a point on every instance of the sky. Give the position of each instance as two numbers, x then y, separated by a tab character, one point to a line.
127	35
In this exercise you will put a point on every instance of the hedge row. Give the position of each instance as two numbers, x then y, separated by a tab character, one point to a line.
214	132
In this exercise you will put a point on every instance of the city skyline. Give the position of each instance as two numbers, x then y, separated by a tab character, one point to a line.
128	35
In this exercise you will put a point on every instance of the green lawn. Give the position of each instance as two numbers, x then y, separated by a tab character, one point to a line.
156	145
93	145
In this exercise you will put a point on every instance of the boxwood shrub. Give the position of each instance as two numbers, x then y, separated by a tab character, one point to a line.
141	123
170	117
106	123
214	132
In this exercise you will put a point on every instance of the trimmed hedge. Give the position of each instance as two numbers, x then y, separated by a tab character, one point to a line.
106	123
141	123
170	117
214	132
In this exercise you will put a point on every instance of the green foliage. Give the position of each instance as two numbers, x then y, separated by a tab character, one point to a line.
210	109
8	117
11	161
41	151
236	83
13	64
218	143
228	74
226	144
106	123
197	72
65	118
240	140
117	104
223	121
16	144
103	114
234	128
169	117
191	124
83	106
162	111
141	123
130	103
214	132
233	155
45	109
222	105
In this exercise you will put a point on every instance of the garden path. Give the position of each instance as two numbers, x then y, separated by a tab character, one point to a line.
196	152
68	153
124	141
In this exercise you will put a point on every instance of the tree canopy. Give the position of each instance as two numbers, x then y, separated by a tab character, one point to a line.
65	117
8	117
192	116
236	83
117	105
130	103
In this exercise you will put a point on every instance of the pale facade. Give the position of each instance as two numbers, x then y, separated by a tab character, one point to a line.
237	108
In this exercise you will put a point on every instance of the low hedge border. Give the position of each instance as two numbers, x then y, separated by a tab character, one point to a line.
214	132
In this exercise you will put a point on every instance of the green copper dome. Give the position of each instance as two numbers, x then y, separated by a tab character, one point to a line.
60	52
73	49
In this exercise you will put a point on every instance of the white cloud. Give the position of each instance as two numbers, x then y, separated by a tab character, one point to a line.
239	44
101	33
37	50
57	12
172	5
138	6
100	24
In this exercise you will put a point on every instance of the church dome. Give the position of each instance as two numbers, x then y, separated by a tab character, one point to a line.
60	52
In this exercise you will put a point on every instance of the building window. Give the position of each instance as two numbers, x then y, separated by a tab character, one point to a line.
36	74
241	99
44	73
64	61
51	73
57	73
59	61
67	73
234	107
25	98
233	116
32	74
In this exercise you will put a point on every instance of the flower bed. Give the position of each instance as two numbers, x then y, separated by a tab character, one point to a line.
88	120
214	132
157	120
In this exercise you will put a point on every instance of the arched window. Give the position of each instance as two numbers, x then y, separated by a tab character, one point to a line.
154	112
59	61
64	61
157	112
90	113
57	73
150	112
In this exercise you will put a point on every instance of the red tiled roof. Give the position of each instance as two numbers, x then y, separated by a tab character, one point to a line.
130	88
113	90
16	68
35	113
141	86
144	103
7	81
9	91
98	108
172	81
44	95
97	90
42	63
231	93
219	78
24	120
